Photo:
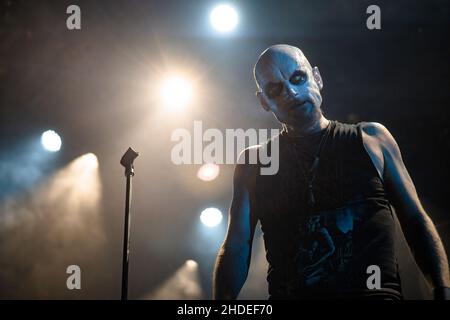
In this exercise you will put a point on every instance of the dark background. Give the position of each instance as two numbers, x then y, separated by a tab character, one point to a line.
96	87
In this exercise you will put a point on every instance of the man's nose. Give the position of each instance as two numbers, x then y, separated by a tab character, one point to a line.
291	92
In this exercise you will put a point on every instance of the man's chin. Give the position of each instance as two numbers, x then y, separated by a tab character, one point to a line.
301	116
302	119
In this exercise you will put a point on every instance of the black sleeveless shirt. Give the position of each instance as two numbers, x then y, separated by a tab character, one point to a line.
325	251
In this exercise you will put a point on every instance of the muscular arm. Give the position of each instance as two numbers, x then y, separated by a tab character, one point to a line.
419	230
233	259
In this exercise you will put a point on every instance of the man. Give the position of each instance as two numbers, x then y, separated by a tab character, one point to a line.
328	214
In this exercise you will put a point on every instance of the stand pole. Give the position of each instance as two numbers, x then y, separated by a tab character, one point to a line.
127	162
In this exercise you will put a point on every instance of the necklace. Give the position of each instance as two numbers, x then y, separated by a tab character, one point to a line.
309	175
315	164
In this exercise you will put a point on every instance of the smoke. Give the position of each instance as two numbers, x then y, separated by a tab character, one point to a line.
23	167
255	287
55	225
183	285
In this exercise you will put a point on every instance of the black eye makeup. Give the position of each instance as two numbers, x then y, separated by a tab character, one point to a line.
273	90
298	77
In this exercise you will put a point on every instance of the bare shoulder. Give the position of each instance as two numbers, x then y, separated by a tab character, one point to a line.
375	129
246	168
380	145
252	161
376	133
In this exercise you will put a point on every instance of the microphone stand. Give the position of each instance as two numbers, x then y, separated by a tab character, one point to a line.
127	162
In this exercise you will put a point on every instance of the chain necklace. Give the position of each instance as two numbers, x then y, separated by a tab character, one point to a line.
309	175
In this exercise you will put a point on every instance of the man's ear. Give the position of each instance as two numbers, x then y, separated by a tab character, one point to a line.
262	100
317	77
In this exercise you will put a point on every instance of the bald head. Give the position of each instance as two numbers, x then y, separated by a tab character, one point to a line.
276	57
288	86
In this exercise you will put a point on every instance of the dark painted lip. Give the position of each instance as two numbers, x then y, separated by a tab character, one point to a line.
298	105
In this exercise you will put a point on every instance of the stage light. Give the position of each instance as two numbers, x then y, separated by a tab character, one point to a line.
89	161
184	284
211	217
208	172
176	93
223	18
64	213
82	175
51	141
191	264
85	165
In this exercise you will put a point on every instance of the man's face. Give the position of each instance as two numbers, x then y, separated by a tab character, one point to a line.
290	88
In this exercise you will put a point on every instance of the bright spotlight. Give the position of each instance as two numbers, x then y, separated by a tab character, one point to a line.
51	141
223	18
211	217
191	264
176	93
89	161
185	283
84	175
208	172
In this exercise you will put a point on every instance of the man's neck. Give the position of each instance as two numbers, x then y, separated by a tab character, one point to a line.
302	131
